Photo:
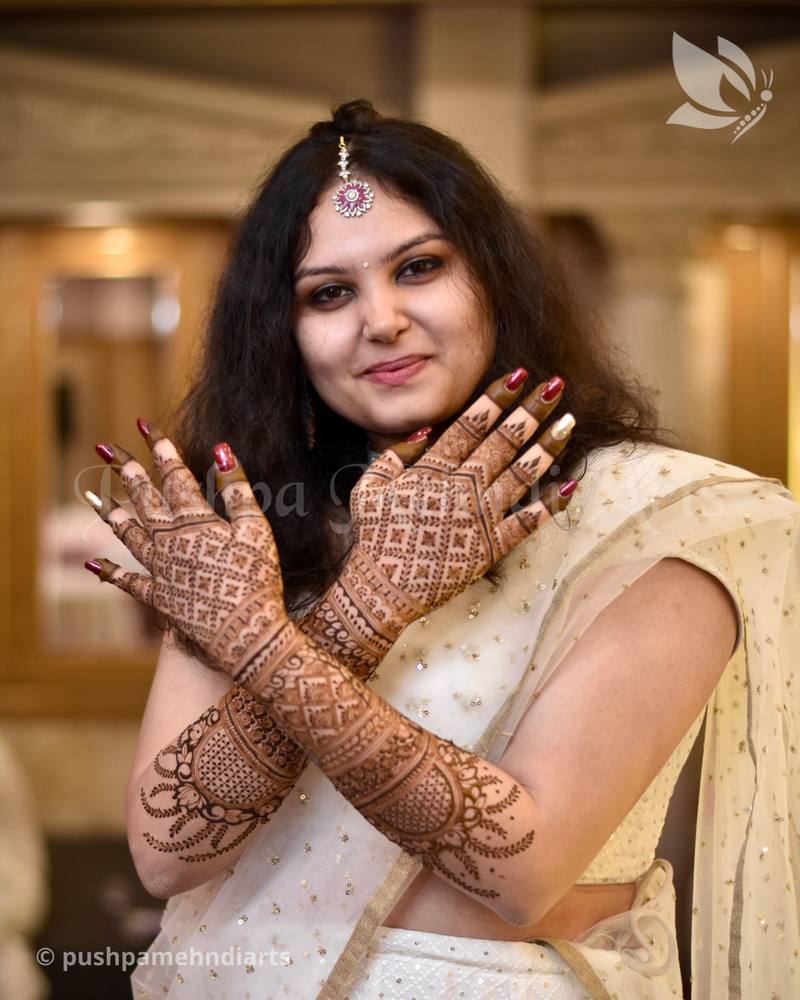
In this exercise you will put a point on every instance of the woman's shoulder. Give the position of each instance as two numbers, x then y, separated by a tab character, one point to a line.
641	473
643	459
640	480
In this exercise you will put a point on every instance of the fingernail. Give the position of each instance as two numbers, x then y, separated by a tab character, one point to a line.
553	389
541	402
93	566
554	440
562	428
104	452
555	499
223	456
500	390
418	435
152	434
103	504
568	488
515	379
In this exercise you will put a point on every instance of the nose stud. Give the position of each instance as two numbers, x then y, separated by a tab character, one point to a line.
366	265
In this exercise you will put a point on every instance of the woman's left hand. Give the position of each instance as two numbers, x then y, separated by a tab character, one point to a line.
218	582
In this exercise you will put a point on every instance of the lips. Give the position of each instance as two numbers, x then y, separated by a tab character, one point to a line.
397	371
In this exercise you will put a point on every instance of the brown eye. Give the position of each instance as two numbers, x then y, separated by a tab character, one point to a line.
420	267
330	293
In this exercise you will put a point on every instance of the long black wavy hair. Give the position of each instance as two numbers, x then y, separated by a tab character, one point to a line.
251	391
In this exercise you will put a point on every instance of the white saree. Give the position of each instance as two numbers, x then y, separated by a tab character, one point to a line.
299	909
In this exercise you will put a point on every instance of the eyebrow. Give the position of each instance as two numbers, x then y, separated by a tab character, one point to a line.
307	272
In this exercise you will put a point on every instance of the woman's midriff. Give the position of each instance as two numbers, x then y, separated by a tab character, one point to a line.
433	906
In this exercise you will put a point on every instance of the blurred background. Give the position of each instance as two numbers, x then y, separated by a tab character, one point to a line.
131	136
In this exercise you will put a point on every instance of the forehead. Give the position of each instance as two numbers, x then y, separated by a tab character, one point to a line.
389	223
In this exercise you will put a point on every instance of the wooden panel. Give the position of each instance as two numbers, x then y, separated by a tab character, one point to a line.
756	258
33	679
794	364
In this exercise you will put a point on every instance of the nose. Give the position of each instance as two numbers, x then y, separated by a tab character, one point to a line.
384	319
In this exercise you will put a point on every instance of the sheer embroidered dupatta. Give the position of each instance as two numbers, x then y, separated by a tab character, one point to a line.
295	912
746	929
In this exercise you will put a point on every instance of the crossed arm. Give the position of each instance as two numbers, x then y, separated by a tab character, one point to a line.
483	836
199	798
585	752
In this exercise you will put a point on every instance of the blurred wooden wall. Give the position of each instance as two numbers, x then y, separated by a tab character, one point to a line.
36	679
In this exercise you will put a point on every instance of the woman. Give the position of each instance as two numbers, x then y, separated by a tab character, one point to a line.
595	644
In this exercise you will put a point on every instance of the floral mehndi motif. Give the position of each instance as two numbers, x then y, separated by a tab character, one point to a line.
231	768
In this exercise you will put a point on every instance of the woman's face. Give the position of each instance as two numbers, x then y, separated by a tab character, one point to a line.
388	322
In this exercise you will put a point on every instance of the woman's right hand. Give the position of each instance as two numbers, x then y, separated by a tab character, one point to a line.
423	534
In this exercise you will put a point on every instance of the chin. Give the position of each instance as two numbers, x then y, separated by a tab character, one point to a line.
407	420
429	408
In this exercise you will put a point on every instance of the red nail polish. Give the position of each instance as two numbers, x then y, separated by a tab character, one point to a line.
418	435
568	488
515	379
552	389
104	452
144	430
94	566
223	456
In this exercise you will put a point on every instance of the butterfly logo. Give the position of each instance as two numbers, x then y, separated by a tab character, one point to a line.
701	75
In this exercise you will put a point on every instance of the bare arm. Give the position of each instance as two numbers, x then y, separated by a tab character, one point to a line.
611	716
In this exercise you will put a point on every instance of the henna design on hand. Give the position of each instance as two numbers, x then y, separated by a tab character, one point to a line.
423	535
354	621
219	760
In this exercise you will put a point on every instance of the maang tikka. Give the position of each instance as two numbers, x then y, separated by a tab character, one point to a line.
352	197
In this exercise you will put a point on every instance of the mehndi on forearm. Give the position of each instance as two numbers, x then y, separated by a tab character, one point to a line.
230	770
225	775
463	818
358	621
